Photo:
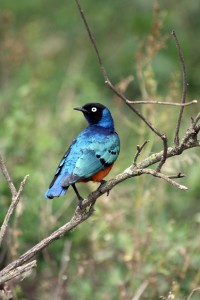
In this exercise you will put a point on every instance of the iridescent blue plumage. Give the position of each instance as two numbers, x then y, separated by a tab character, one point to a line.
93	150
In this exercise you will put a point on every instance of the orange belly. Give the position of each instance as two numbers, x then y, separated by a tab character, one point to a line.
98	177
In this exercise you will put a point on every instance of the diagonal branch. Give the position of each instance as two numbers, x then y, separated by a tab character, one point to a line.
78	217
184	90
15	197
140	290
193	292
13	205
7	177
19	271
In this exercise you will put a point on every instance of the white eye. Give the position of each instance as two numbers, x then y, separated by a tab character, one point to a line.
94	109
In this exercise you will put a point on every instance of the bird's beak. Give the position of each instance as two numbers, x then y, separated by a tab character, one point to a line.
81	109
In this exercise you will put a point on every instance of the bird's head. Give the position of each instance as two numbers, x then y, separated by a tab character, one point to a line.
97	114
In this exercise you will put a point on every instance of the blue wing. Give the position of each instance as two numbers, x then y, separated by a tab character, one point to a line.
98	155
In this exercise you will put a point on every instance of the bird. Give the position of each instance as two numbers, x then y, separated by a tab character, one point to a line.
90	156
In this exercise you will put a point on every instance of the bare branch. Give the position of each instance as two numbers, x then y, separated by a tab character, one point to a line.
92	41
13	205
7	177
192	293
21	187
184	90
162	103
23	271
140	290
166	178
78	217
196	120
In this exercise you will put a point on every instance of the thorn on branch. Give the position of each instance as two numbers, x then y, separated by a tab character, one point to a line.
179	175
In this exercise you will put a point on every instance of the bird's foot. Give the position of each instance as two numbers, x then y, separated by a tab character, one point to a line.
80	200
103	182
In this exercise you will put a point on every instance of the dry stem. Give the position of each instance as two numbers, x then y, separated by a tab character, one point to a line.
163	103
15	197
184	89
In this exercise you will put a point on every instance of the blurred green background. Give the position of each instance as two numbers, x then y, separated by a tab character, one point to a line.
146	232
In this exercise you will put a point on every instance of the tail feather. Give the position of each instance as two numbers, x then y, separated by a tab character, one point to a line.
56	190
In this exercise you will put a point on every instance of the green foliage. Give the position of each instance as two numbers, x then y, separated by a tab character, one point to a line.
145	230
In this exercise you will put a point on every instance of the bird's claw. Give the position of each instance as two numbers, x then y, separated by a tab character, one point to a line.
80	200
103	182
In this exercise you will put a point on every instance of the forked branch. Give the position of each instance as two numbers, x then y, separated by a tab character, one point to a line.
15	197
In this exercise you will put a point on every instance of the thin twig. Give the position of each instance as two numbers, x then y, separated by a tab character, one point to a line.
82	215
184	89
163	103
93	41
165	177
139	150
179	175
140	290
196	120
23	271
120	95
193	291
7	177
13	205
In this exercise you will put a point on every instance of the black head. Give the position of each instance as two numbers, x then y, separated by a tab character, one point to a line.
93	112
